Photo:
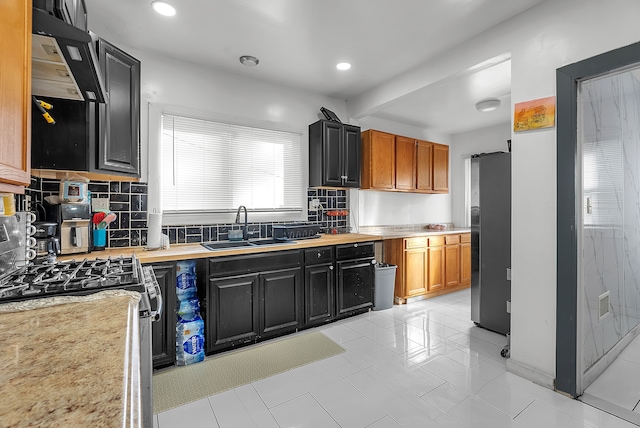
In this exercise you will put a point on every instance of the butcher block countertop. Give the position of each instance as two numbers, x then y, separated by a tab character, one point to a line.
67	361
196	251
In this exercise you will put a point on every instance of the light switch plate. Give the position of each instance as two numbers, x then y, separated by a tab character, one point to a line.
99	204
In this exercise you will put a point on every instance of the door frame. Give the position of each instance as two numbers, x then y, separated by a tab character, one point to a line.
568	167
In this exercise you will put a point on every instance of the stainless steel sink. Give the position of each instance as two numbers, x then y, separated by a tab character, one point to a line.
269	241
223	245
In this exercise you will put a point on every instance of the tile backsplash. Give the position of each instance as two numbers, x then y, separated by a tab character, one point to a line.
128	200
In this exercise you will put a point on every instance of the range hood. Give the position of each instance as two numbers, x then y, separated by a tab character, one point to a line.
64	63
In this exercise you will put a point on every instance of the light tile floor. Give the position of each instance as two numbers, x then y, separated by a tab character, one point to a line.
424	364
619	384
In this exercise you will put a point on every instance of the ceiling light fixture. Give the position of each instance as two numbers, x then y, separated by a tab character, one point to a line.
490	104
249	61
343	66
163	8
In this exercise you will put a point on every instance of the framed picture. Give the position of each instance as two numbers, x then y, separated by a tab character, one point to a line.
535	114
330	115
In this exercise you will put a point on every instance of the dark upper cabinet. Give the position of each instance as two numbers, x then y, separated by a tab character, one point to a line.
93	137
334	154
118	121
163	331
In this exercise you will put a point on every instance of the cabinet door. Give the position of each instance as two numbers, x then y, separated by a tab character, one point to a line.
415	271
119	118
440	168
281	302
405	163
351	156
379	160
332	170
319	294
163	331
452	265
465	259
436	267
232	311
355	285
424	166
15	96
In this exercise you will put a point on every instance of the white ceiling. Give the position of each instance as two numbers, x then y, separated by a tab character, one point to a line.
299	42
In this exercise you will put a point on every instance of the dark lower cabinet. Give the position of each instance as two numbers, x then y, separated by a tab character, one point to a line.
248	298
281	302
233	319
163	331
355	276
319	286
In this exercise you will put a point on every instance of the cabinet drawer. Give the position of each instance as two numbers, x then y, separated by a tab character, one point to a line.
452	239
465	237
436	240
354	251
261	262
314	256
418	242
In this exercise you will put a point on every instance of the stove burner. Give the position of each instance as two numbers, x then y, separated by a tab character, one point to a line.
70	276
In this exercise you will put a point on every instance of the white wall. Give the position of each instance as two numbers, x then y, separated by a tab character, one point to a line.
549	36
376	208
463	145
221	95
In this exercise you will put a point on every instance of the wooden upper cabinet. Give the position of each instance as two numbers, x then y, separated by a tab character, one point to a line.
15	95
378	160
397	163
424	166
440	168
405	163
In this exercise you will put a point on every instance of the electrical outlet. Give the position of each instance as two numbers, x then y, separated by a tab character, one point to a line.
100	204
314	204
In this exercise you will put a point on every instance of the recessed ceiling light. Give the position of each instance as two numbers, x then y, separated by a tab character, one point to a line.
163	8
249	61
489	104
343	66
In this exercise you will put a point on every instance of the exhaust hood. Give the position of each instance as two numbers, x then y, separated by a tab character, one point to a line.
64	63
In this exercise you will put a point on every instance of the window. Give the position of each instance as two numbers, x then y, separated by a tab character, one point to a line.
214	167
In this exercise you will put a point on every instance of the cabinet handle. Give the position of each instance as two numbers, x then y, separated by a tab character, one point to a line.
330	267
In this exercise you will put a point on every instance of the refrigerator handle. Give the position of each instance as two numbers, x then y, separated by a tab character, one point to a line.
508	274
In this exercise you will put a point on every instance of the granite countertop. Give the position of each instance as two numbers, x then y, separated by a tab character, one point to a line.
196	251
410	231
67	361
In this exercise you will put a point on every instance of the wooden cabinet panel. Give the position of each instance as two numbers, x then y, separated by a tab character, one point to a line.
440	168
405	163
378	160
15	95
424	166
319	294
452	265
436	277
415	272
465	263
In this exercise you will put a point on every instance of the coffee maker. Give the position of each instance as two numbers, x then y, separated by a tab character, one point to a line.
73	226
47	245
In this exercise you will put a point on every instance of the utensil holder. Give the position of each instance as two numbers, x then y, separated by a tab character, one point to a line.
99	239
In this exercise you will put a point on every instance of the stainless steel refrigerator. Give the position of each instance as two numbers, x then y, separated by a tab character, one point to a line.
490	240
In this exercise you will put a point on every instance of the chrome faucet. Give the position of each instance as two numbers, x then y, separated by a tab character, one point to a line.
245	234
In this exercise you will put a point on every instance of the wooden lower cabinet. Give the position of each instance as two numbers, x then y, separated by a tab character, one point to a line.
465	259
429	266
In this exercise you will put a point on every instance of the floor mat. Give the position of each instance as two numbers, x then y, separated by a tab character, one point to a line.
177	386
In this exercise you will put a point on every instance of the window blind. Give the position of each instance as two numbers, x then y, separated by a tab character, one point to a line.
210	166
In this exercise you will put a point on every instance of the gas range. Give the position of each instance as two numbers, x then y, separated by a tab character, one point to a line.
73	278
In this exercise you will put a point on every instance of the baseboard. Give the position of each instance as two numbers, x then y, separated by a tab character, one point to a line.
611	408
601	365
526	372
